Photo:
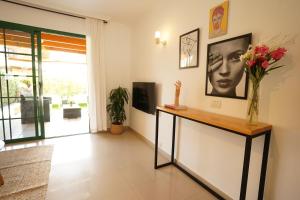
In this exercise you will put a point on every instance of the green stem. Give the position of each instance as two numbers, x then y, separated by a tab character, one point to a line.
254	101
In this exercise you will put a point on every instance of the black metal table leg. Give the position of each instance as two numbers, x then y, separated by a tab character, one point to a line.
264	164
156	165
156	138
245	168
173	138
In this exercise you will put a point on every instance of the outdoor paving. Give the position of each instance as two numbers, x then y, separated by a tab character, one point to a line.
58	126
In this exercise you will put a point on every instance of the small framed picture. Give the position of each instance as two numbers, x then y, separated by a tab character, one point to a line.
189	49
218	20
225	74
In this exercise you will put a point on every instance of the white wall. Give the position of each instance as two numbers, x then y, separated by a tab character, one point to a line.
117	46
118	58
32	17
215	156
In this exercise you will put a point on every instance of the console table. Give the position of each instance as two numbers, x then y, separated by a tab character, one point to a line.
230	124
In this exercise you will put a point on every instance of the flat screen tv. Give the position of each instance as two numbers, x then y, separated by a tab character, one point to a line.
144	96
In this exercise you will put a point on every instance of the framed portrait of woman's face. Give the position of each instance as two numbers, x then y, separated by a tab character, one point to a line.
225	74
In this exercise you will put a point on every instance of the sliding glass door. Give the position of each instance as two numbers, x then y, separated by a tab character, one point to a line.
25	113
20	78
64	85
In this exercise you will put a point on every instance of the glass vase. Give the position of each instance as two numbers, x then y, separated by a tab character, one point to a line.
253	105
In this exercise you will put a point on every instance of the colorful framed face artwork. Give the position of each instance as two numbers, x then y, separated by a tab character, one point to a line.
189	49
225	74
218	20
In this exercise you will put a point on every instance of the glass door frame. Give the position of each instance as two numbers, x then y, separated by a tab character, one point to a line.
38	105
38	115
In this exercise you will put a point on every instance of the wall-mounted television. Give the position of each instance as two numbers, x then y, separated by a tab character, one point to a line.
144	96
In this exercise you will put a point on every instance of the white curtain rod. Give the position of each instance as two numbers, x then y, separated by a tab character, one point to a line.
48	10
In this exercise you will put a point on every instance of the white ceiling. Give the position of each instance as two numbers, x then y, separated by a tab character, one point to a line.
116	10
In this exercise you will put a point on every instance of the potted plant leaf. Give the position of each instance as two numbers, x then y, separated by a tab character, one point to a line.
117	97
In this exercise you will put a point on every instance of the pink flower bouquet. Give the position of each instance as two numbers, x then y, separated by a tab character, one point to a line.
259	61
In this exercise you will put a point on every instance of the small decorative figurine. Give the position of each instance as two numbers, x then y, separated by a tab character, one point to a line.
176	104
177	92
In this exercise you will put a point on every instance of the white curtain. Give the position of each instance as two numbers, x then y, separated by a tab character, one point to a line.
96	74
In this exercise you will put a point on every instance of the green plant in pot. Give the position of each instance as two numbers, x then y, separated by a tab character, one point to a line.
117	97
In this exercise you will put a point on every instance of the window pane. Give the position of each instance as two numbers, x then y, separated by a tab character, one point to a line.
37	73
18	86
1	131
15	108
7	130
1	116
2	63
24	86
3	85
38	83
18	41
27	110
35	44
21	129
19	64
39	131
5	108
1	40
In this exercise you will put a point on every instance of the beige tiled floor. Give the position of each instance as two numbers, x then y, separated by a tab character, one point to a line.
108	167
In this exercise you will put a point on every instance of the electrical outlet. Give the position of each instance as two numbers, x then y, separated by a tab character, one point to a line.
216	104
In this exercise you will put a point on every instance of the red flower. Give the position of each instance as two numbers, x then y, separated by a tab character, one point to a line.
250	63
261	59
278	53
261	50
265	64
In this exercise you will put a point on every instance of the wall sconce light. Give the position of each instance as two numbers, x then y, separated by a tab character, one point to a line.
158	39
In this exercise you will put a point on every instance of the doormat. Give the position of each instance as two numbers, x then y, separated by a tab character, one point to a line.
25	172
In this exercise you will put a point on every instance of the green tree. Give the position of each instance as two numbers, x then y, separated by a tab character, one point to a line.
14	89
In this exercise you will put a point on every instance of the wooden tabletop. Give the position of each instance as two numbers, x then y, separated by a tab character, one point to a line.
222	121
